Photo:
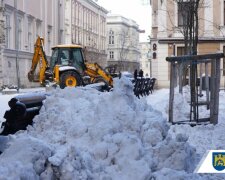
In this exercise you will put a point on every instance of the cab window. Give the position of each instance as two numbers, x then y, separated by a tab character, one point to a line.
78	59
64	57
54	58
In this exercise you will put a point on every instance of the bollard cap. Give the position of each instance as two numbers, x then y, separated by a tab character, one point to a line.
12	102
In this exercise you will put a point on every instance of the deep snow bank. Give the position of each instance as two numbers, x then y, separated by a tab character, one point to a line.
85	134
202	137
205	137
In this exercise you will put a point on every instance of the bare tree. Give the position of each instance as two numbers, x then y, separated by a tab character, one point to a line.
126	44
188	10
188	25
123	38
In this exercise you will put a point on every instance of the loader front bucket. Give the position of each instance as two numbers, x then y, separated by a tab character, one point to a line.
23	108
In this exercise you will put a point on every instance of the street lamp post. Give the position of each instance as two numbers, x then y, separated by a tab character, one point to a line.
16	46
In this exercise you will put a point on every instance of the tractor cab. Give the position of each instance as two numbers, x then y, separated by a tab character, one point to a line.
68	55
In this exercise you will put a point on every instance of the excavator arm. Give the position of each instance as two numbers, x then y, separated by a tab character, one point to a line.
38	57
95	71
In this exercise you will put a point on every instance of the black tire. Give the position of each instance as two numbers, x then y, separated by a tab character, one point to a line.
70	79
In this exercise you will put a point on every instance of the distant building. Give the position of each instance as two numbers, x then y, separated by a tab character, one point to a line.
145	58
122	43
167	39
85	24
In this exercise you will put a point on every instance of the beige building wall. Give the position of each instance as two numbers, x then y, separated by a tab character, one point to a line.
168	37
145	58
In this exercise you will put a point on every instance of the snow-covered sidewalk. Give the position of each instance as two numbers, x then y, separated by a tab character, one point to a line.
82	133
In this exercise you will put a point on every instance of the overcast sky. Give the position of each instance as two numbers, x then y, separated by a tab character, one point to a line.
132	9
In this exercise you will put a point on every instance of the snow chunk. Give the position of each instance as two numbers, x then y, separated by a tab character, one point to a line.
25	157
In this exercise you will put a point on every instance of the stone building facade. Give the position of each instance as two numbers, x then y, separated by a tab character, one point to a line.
58	22
85	24
122	43
167	39
23	22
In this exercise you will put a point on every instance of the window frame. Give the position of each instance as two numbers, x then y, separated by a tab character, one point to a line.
8	29
111	54
49	38
180	50
30	34
182	16
38	28
111	37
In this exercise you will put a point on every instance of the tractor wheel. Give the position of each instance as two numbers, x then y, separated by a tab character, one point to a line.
70	79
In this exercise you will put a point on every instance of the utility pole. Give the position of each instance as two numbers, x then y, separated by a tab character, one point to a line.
16	45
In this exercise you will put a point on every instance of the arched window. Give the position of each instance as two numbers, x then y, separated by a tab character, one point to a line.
111	37
154	47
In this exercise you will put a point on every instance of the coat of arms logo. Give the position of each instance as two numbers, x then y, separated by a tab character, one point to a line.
218	160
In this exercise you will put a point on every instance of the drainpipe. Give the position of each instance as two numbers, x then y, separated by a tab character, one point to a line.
16	46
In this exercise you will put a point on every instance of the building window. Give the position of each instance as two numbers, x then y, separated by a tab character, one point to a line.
111	55
182	13
111	37
49	38
180	51
19	33
8	31
9	64
38	28
61	36
30	35
154	47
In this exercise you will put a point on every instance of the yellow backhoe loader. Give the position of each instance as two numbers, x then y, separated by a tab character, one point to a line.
67	67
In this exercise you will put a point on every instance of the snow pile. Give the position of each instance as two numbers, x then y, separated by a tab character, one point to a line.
160	101
82	133
181	107
205	137
24	156
202	137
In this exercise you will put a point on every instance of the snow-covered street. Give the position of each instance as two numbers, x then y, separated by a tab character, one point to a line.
82	133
